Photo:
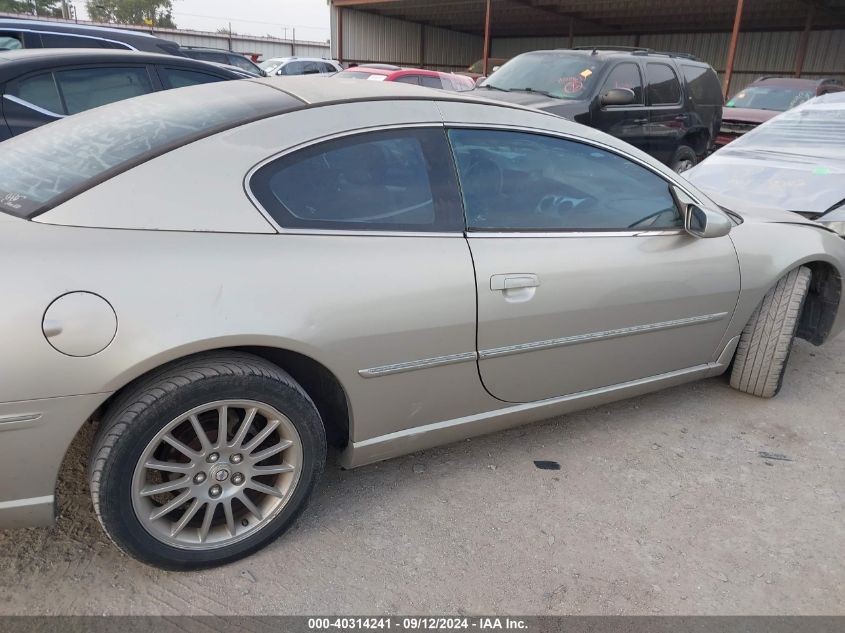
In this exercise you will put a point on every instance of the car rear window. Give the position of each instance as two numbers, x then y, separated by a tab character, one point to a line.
55	162
703	84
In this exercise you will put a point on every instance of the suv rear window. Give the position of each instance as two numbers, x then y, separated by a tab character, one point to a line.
703	84
53	163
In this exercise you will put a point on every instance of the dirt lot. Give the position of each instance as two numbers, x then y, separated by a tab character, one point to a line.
663	505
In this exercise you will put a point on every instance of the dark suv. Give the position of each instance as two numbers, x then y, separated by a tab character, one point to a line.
667	104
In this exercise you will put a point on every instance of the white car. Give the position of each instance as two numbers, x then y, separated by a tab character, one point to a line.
300	66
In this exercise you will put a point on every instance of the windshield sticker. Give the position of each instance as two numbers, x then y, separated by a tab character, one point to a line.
572	85
16	203
586	73
822	171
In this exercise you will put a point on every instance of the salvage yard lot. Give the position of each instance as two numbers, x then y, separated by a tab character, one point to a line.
663	505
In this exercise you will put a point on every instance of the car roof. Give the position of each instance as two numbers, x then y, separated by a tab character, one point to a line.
789	82
608	53
315	91
19	61
63	27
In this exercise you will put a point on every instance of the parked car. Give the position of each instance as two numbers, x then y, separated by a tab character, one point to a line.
471	267
668	105
413	76
767	97
793	162
21	33
476	69
222	56
299	66
39	86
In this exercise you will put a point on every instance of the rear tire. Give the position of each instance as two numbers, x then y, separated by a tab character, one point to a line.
205	461
683	159
765	343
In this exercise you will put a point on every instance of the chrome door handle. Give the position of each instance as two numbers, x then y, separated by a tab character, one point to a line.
511	281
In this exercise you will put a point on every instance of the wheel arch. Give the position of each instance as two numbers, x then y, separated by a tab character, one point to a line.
320	383
821	306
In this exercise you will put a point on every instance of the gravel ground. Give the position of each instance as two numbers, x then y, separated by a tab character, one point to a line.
662	505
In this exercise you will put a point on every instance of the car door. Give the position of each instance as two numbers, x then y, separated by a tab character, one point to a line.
668	123
585	277
627	122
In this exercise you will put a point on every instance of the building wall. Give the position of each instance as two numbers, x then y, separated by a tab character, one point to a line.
368	37
758	53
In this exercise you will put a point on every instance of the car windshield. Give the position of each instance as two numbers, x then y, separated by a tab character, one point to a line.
56	161
770	98
554	74
270	65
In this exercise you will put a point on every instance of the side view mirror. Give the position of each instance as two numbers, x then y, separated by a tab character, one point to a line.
618	97
705	223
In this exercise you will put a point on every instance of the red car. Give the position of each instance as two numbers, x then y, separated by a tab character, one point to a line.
766	98
415	76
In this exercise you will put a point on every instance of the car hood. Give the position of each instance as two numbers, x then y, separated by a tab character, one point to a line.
747	115
772	180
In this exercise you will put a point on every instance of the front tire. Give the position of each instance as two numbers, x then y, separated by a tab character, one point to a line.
765	343
206	461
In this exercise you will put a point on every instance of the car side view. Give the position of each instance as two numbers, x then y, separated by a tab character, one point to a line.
39	86
375	266
669	105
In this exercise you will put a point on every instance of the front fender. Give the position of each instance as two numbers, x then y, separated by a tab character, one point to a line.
768	250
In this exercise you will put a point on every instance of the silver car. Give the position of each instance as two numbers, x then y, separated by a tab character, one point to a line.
227	278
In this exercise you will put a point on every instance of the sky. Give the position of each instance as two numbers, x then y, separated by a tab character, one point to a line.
252	17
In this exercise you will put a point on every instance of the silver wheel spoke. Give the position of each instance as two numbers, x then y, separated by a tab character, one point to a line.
272	470
230	519
201	435
244	428
250	505
187	516
185	450
267	490
269	452
168	467
167	486
222	425
170	505
206	520
263	435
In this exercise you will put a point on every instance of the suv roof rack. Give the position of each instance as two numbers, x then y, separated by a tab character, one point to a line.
634	50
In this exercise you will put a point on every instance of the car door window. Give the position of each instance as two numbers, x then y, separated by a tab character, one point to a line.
626	76
399	180
514	181
182	77
60	40
86	88
663	86
40	91
409	79
10	41
328	68
431	82
242	63
293	68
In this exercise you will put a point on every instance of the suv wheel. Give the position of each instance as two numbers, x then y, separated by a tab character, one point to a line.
206	461
683	159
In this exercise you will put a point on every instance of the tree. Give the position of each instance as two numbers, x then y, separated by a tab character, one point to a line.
50	8
150	12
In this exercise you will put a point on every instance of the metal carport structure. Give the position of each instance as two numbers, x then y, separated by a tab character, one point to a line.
741	39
